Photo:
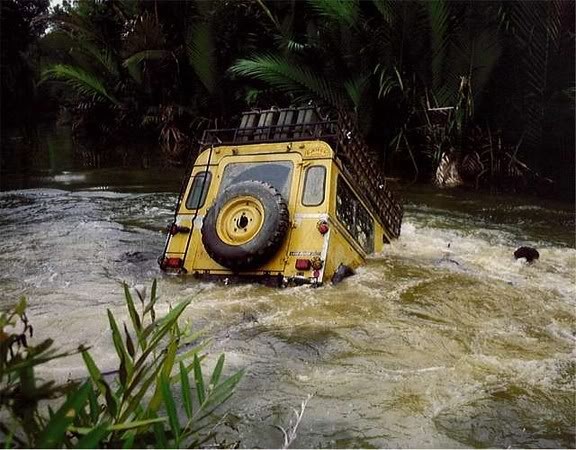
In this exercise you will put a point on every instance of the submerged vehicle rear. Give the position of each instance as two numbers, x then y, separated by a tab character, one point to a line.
284	198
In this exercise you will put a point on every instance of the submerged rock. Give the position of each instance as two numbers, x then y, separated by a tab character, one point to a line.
529	253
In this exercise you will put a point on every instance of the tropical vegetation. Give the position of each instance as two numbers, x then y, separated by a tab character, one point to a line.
159	396
454	91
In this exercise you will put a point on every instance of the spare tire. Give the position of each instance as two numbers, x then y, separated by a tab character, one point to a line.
246	225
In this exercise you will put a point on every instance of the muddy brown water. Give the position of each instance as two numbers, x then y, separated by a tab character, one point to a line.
443	340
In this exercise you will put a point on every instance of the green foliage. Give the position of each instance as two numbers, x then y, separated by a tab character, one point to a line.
160	68
289	77
84	83
135	408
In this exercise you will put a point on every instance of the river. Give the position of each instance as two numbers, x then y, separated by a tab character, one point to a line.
443	340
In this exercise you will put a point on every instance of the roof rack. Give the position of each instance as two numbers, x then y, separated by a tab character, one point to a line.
275	125
304	123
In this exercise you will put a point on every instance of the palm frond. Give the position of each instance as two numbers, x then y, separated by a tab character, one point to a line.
201	54
84	83
356	87
290	78
269	14
485	52
534	26
438	15
387	80
133	62
103	56
387	10
77	23
344	12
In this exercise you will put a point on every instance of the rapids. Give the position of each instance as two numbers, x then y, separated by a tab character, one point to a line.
443	340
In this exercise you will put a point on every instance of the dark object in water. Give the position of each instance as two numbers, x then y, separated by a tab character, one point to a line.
529	253
342	272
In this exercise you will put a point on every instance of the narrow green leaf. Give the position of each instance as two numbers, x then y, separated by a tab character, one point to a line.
170	406
129	343
164	326
111	400
136	400
119	345
55	430
103	387
123	374
136	323
153	299
191	352
167	366
94	406
185	387
129	440
94	437
94	372
217	371
161	441
222	392
136	424
198	378
122	426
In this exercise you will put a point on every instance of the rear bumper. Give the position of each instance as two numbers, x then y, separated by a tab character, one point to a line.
271	280
277	280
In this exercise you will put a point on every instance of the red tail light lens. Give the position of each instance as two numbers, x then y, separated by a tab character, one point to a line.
175	229
172	263
323	227
303	264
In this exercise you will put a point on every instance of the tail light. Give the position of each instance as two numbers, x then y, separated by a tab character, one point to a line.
175	229
303	264
171	263
323	227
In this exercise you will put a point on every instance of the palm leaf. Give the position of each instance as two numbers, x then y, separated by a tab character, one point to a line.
438	15
356	87
201	54
534	26
84	83
387	10
290	78
103	56
344	12
133	62
73	21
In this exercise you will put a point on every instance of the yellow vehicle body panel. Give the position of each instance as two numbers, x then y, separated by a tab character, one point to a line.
303	240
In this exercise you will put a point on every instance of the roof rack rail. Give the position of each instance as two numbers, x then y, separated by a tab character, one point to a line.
303	123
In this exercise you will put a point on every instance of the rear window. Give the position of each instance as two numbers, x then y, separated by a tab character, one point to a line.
199	190
277	174
314	186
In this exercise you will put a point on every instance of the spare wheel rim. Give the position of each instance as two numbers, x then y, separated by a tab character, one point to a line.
240	220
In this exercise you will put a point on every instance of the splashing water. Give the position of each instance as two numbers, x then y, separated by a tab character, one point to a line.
443	340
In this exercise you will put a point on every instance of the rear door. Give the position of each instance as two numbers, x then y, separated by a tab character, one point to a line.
283	172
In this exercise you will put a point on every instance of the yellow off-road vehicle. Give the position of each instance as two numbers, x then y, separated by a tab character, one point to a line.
285	198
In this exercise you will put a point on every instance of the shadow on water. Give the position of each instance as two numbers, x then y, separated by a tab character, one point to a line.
443	340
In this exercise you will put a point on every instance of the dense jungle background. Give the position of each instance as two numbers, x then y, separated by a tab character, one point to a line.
443	340
479	93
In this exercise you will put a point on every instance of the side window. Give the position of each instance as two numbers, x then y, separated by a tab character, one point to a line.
314	186
354	216
199	190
